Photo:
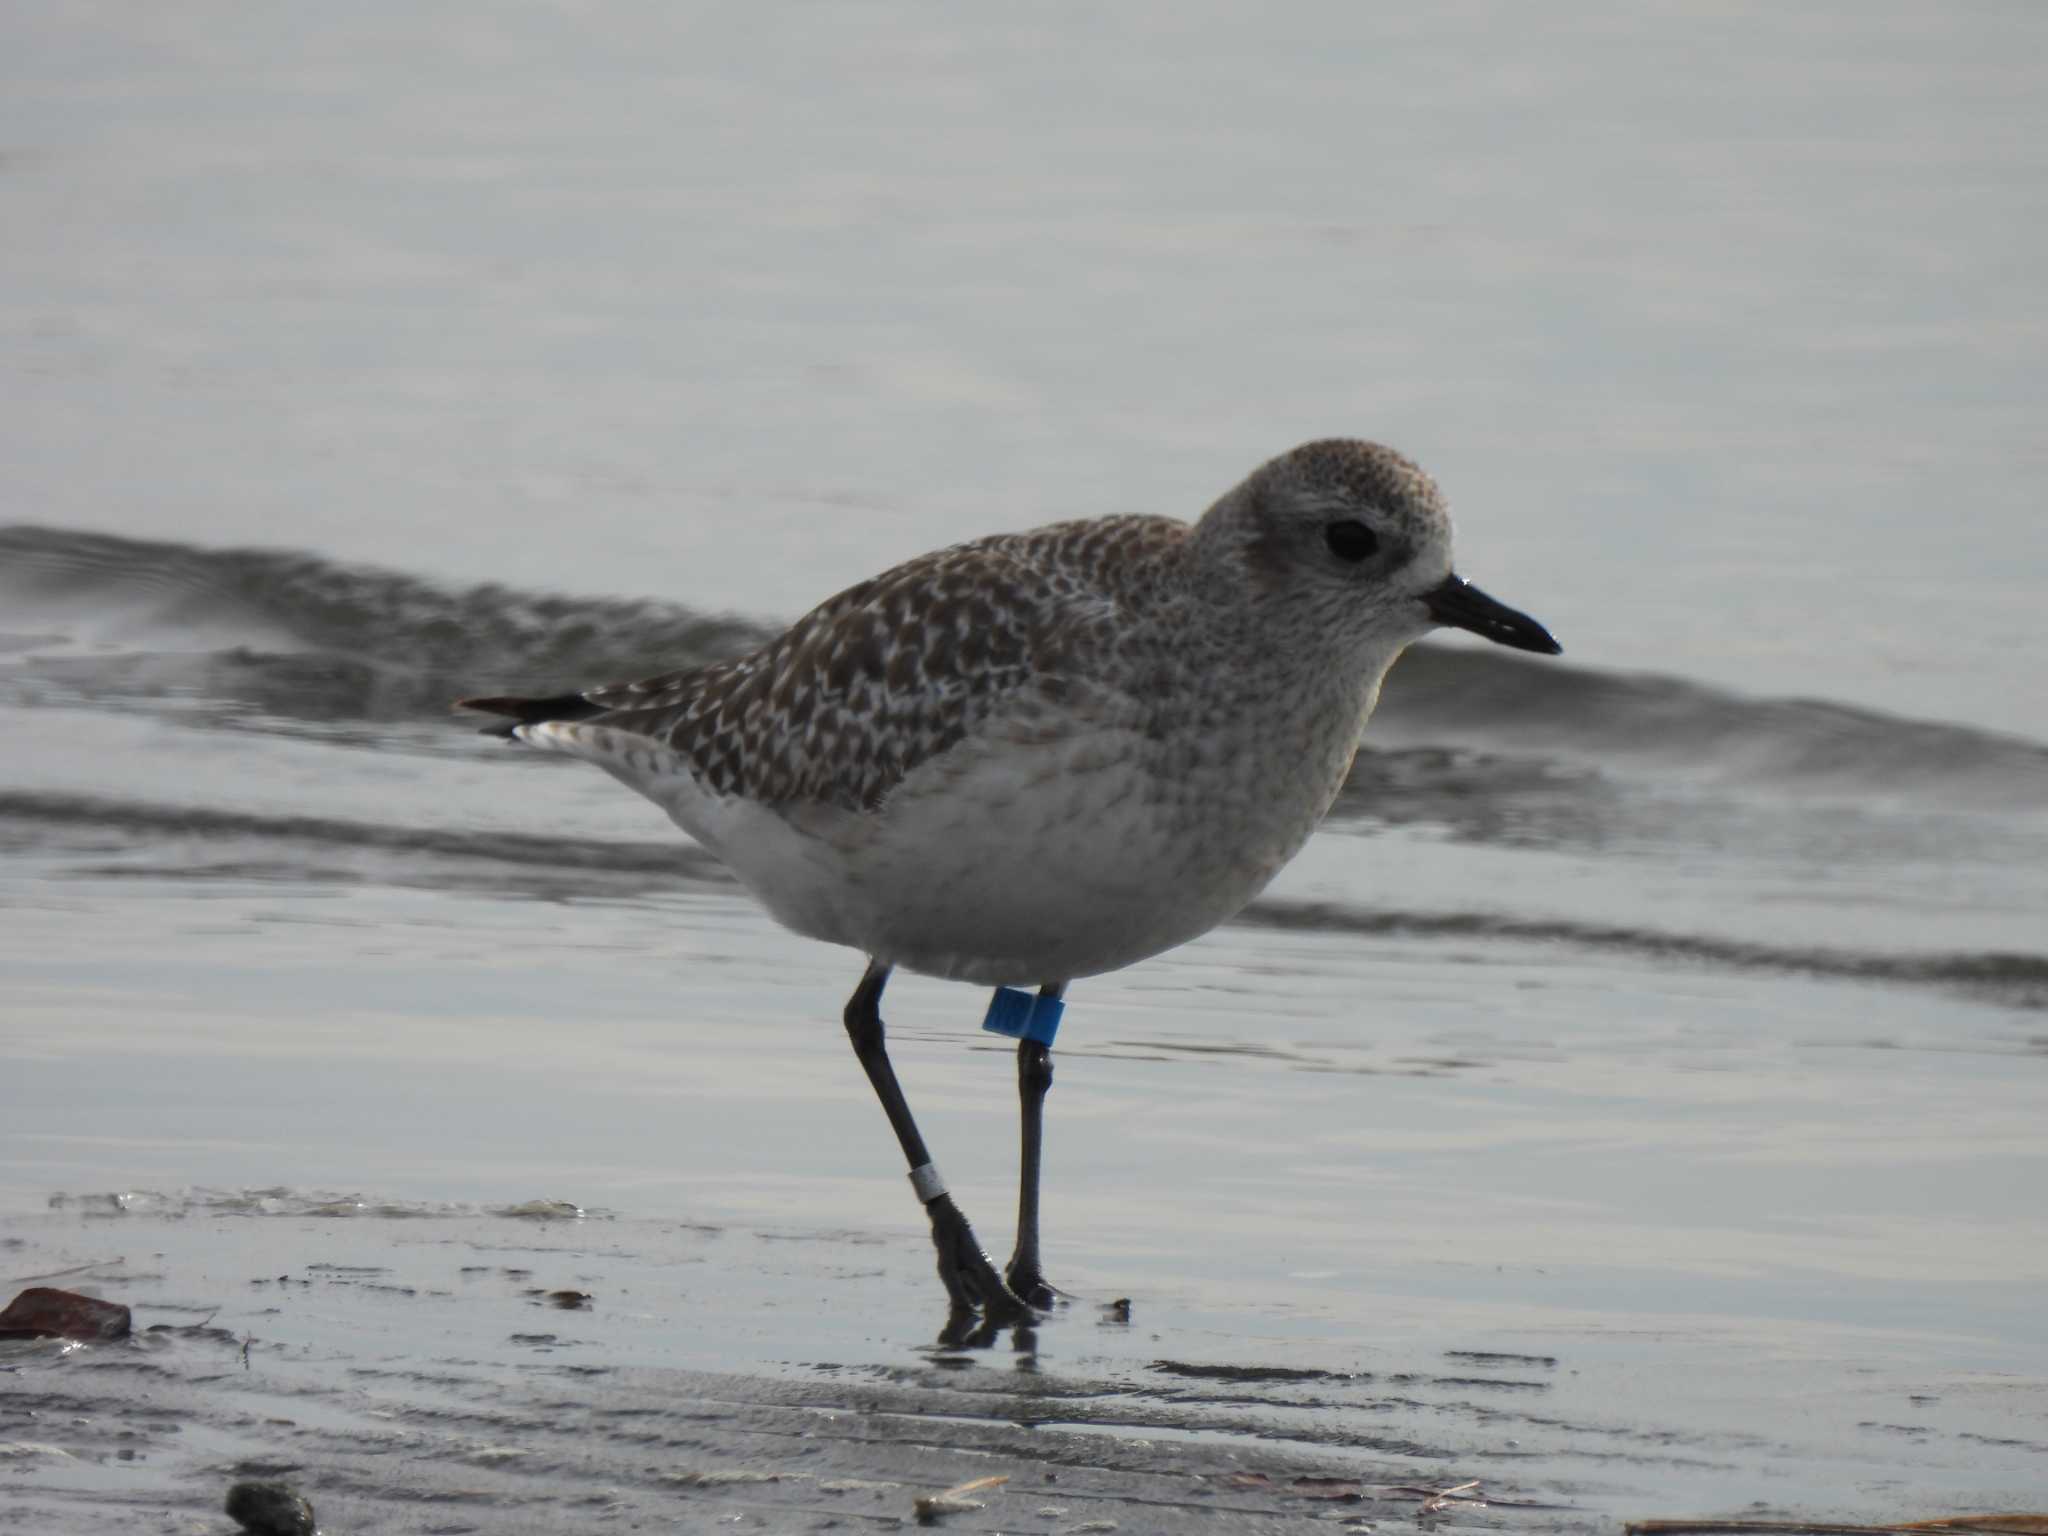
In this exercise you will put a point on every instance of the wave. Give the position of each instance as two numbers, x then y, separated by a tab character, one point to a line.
285	636
310	634
147	839
2012	978
1444	693
154	840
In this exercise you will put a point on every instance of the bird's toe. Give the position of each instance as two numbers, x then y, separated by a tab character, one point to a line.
1034	1290
970	1279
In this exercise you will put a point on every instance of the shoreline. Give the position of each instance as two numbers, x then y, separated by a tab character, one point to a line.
415	1373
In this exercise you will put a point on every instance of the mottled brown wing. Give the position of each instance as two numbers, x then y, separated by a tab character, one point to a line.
888	674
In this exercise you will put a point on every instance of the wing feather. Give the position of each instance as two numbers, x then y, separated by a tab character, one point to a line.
887	675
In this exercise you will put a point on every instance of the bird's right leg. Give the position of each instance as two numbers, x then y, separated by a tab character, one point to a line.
970	1279
1034	1077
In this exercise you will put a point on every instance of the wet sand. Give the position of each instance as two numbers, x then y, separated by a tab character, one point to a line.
423	1371
1616	1234
1606	1236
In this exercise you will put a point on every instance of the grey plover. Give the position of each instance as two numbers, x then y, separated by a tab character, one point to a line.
1041	756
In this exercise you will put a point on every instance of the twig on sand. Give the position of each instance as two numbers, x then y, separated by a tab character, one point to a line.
954	1501
1435	1500
1445	1498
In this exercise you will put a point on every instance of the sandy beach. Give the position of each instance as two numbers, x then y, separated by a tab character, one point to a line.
419	1371
1746	1306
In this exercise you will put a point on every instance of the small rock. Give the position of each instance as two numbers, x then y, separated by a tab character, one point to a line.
42	1312
934	1507
542	1210
271	1509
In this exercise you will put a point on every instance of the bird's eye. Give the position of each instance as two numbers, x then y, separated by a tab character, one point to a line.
1351	540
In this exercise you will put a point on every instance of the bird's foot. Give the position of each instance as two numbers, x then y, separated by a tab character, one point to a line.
1030	1286
970	1279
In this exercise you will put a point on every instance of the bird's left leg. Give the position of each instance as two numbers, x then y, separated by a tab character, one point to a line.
1034	1079
970	1279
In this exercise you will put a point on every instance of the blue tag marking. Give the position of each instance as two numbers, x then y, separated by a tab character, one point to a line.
1024	1015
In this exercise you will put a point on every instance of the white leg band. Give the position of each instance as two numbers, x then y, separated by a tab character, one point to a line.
926	1181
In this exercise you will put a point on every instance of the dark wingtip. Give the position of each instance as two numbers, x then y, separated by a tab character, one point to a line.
504	706
566	706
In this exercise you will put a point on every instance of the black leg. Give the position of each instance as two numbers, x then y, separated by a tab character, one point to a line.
970	1279
1034	1078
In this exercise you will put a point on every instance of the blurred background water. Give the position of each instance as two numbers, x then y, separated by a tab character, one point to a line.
1721	323
355	357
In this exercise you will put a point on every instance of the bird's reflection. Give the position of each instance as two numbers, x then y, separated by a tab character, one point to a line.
966	1328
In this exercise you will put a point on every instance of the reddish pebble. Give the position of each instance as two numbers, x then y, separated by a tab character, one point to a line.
42	1312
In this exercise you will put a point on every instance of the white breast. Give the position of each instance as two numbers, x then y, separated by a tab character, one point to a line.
1040	851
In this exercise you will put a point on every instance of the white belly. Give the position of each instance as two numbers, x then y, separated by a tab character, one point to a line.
1086	872
1018	862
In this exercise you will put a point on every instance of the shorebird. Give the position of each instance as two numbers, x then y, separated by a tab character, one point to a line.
1042	756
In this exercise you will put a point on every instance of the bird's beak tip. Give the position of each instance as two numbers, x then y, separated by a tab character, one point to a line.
1459	604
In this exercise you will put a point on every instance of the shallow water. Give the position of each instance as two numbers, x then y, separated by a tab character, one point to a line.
414	1363
1772	1226
1675	1011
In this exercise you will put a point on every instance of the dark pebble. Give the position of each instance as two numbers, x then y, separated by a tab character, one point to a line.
271	1509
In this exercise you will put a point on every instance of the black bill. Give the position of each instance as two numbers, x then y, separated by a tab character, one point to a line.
1460	604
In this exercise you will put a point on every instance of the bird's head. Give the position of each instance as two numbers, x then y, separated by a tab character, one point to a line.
1352	541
